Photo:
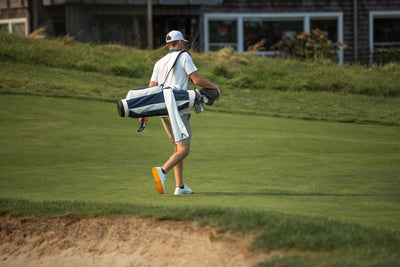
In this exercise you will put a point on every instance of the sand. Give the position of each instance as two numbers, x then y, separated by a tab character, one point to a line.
118	241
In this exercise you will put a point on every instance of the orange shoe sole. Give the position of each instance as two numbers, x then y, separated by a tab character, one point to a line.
157	178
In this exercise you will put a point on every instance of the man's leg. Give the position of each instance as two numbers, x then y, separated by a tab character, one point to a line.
176	162
178	171
181	151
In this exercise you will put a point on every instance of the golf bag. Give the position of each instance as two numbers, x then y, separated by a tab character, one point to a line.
158	101
150	102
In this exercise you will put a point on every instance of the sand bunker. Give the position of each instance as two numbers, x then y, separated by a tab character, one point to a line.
117	241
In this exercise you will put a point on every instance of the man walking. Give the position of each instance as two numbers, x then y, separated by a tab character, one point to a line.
174	70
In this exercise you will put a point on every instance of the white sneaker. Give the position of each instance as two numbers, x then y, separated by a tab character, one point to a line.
185	190
159	177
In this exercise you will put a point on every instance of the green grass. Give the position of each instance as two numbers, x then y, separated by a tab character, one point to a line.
60	149
326	193
304	156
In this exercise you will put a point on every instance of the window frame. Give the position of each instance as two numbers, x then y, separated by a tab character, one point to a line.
239	17
379	15
222	44
10	22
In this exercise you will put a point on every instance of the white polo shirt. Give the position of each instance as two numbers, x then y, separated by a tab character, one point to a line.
179	76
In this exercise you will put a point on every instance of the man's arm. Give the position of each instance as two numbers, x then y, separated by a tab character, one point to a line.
202	82
151	84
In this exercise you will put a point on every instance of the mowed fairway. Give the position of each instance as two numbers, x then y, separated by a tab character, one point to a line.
56	149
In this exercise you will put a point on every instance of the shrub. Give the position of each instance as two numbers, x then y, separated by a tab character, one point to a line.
314	45
385	55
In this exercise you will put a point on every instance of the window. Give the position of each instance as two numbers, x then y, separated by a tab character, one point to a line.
4	27
249	32
387	30
265	33
222	33
16	26
384	32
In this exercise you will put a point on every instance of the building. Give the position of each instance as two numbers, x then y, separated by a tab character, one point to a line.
364	25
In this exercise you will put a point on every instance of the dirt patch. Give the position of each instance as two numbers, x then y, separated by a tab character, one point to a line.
117	241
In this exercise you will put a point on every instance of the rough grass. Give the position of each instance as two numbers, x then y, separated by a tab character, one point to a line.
230	70
249	84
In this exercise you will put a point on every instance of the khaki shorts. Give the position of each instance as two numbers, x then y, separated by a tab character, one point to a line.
167	125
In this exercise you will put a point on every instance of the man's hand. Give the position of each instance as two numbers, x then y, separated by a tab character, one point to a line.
143	121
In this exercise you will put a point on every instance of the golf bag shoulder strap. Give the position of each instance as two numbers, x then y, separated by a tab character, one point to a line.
173	65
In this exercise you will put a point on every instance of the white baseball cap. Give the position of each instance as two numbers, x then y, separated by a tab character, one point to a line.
174	36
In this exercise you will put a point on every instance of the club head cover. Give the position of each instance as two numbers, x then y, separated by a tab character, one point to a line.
211	95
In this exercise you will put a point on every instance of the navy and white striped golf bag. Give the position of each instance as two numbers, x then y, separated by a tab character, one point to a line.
159	101
150	101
